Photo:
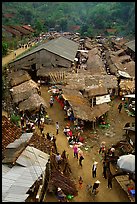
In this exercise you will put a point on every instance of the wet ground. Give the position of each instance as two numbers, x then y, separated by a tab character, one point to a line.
111	135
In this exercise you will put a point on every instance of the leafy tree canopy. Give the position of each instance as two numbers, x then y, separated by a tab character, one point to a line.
90	16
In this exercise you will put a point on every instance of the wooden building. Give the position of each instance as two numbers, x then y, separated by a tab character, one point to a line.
56	53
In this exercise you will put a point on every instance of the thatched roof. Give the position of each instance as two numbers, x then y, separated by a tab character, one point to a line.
43	72
95	63
96	91
108	81
119	52
100	109
113	69
24	90
130	68
75	81
81	106
32	103
19	77
80	81
128	85
124	58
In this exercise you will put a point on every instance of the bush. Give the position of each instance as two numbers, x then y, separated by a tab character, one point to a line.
15	119
4	48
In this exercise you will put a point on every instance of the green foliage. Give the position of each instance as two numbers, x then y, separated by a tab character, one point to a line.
15	119
4	48
63	15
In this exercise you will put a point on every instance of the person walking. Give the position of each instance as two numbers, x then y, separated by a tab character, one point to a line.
102	147
41	127
95	186
94	169
110	177
81	157
57	128
54	143
80	182
51	101
75	150
58	159
104	170
120	107
22	121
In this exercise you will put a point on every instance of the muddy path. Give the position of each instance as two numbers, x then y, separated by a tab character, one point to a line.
111	135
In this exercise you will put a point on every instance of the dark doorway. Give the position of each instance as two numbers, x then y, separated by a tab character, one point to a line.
33	72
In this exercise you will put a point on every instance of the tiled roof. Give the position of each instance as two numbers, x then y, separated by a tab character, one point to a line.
11	30
21	29
8	15
10	132
28	28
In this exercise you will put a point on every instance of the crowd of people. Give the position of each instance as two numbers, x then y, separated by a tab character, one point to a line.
75	140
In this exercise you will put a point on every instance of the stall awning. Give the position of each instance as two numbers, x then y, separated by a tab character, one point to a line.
81	106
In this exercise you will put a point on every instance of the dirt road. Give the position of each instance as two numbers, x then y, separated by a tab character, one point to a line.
111	135
11	56
117	121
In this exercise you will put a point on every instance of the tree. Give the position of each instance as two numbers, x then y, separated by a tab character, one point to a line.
38	27
4	48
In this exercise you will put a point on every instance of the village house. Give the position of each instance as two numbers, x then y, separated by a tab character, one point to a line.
131	49
29	169
56	53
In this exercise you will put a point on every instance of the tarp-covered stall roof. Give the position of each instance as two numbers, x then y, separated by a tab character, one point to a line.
17	181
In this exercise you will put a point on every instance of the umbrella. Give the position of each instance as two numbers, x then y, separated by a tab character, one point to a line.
127	162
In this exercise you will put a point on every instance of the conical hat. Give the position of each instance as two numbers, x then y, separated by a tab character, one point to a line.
59	189
97	181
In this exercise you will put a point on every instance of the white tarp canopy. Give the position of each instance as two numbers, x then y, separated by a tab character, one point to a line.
129	96
127	162
124	74
103	99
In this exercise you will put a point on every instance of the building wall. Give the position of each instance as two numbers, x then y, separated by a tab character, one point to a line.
50	59
41	58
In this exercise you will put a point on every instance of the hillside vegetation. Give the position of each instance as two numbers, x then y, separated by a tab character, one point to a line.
91	18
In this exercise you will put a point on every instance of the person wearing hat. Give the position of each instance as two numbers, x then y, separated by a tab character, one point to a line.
60	195
95	186
94	169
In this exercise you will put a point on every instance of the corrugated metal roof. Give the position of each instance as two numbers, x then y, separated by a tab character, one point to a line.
131	45
11	197
60	46
5	168
17	181
24	138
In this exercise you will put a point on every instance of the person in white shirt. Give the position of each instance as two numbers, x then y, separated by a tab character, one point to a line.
94	169
57	128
